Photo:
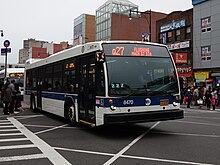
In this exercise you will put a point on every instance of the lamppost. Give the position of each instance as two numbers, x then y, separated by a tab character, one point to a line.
148	12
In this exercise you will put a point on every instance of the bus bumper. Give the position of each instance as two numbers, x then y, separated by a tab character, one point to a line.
143	117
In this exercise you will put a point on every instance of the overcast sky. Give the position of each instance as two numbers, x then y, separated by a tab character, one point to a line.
52	20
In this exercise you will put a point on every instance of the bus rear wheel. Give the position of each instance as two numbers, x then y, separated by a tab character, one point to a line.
70	113
33	104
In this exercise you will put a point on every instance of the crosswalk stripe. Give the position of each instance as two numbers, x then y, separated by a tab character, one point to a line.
3	121
16	147
22	157
47	150
7	126
11	134
8	130
14	139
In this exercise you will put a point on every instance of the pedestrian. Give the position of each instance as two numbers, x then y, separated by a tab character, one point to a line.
189	96
213	102
17	97
208	98
12	104
7	98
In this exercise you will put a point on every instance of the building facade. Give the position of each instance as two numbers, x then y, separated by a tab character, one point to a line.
206	46
40	49
84	29
176	32
27	44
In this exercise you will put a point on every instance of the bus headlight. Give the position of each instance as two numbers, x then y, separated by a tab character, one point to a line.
113	108
175	104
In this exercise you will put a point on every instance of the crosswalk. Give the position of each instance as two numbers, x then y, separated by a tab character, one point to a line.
16	138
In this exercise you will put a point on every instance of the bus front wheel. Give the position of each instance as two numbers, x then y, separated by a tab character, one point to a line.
70	113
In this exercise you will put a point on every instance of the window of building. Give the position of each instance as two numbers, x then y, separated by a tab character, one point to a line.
178	35
169	36
206	24
206	53
163	38
188	33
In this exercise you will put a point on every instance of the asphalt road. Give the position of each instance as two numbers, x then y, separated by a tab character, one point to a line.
37	138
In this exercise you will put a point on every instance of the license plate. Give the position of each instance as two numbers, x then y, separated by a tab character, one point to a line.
164	102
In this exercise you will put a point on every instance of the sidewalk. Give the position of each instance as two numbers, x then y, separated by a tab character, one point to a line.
184	106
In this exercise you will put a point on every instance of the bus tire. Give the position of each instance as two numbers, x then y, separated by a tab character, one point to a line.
33	104
70	113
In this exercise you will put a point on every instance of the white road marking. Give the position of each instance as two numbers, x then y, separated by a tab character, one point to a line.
14	139
187	134
17	146
164	160
3	121
8	130
199	123
28	116
50	129
133	157
116	156
48	126
22	157
47	150
7	126
11	134
198	117
83	151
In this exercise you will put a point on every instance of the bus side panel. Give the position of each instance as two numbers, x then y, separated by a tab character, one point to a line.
53	106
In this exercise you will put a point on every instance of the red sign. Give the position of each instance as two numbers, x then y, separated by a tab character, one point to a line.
184	71
180	58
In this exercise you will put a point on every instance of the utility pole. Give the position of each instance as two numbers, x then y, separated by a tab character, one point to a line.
147	18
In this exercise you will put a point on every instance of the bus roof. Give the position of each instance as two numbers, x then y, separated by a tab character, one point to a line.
78	50
10	70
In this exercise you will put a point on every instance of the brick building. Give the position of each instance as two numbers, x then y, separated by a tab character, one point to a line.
176	32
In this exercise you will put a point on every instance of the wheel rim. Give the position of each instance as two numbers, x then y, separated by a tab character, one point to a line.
71	113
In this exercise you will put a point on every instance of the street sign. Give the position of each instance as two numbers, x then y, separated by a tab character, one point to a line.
6	43
4	50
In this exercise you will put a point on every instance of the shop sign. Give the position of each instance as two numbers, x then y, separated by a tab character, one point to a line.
173	25
202	76
179	45
184	71
180	58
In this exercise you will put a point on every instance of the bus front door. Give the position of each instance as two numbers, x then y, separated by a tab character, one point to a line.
39	95
86	96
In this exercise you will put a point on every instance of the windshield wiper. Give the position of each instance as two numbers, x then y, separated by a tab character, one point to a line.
135	92
152	93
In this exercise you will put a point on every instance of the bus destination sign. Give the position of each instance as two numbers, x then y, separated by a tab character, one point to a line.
141	50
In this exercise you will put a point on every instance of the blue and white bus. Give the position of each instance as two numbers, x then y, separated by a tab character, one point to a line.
106	82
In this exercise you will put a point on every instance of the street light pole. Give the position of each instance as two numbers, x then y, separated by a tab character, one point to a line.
143	13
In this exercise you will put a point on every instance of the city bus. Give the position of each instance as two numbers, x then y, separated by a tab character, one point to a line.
106	82
16	74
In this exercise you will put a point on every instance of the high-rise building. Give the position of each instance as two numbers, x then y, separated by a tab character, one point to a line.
84	29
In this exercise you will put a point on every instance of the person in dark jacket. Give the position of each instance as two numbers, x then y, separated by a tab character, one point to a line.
7	98
189	96
208	98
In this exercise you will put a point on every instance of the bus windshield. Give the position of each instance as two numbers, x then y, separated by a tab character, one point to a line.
141	76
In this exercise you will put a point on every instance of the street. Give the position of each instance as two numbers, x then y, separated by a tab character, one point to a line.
39	138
